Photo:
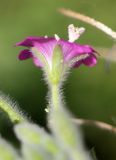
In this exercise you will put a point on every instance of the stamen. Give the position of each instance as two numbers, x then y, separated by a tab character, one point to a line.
57	37
45	36
74	32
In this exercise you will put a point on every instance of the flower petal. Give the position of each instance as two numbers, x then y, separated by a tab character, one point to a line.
25	54
37	62
46	47
77	64
72	50
28	42
90	61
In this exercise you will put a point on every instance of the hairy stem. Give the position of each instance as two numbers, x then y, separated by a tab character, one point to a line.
55	96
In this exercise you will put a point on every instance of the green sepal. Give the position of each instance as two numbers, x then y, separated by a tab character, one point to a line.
57	65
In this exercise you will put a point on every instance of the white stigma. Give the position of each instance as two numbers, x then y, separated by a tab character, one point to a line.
74	32
57	37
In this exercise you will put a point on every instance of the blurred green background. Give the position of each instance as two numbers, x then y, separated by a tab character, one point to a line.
90	92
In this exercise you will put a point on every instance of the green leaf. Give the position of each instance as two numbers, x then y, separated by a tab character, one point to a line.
7	152
34	153
62	127
67	135
34	136
11	109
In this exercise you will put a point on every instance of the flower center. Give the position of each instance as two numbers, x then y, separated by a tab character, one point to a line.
57	37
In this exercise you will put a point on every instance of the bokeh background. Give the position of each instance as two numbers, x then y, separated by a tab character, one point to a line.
90	92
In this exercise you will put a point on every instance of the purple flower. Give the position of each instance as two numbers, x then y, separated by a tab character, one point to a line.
46	47
70	50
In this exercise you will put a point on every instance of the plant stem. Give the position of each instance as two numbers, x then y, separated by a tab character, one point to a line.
55	96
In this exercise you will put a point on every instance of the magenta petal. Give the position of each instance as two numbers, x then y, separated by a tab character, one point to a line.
37	62
90	61
29	41
25	54
72	50
46	47
77	64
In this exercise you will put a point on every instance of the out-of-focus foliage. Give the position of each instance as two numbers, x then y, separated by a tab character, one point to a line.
63	143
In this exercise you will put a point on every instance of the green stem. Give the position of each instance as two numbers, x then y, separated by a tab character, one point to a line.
55	96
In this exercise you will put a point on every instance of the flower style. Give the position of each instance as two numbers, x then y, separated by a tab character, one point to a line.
74	53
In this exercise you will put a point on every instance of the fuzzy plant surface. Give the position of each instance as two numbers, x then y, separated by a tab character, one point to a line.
56	57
